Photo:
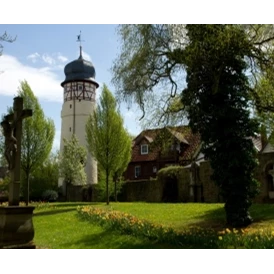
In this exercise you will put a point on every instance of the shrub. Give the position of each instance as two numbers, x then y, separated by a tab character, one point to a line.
50	195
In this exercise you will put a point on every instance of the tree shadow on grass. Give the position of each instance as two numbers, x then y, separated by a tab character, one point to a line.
216	218
211	219
262	212
53	212
71	204
106	240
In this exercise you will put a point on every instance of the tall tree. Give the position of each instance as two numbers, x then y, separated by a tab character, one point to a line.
205	65
72	163
38	134
107	139
217	101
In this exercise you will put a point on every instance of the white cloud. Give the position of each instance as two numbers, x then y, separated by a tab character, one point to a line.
33	57
86	56
48	59
62	58
44	83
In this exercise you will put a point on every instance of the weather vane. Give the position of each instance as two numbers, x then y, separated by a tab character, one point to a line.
80	41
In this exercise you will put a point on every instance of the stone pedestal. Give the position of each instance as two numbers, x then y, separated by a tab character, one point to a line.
16	227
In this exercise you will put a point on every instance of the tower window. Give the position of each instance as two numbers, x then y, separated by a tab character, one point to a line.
70	129
70	106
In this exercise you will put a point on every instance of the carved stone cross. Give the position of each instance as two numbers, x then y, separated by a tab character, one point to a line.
12	128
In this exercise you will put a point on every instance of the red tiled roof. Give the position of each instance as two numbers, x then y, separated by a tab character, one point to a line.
257	142
181	133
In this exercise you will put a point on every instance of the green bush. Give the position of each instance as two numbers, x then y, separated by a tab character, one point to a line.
50	195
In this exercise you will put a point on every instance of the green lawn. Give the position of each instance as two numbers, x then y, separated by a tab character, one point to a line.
58	225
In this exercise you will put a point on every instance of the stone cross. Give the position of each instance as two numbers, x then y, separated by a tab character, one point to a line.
12	128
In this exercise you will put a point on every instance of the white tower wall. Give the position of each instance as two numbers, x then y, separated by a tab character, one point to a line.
77	106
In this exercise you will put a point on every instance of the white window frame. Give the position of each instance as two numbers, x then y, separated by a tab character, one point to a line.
144	146
137	169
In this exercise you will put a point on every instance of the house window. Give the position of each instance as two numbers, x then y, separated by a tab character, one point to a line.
144	149
137	171
154	169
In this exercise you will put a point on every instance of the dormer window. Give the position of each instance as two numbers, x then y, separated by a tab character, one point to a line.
144	149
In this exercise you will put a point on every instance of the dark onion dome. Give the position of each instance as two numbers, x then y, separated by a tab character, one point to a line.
80	70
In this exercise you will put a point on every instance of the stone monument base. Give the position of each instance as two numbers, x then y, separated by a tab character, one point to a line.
16	227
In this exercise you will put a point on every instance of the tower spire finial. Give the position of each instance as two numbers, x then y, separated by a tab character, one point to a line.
80	41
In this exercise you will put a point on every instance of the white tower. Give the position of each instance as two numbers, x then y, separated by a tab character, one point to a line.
79	102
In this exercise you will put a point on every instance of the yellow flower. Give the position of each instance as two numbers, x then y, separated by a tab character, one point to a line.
220	238
227	230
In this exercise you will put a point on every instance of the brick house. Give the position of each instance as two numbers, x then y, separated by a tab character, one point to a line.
154	149
158	148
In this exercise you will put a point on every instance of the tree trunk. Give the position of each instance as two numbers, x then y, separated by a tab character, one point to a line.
115	190
236	207
107	187
27	200
67	184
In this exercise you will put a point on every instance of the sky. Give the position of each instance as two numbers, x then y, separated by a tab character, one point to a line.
39	55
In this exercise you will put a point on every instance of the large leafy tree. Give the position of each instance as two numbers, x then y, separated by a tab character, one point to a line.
215	70
107	139
72	162
37	136
217	101
5	38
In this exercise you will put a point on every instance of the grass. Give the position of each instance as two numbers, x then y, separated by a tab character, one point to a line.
183	215
58	226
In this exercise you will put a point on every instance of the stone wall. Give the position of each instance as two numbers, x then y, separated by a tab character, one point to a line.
210	189
205	191
266	162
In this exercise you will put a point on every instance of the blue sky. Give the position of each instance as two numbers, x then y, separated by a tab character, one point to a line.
39	56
